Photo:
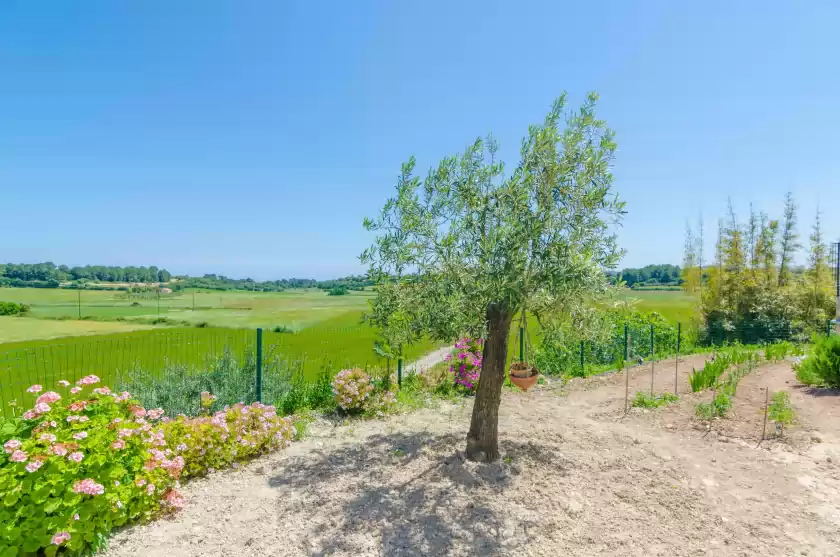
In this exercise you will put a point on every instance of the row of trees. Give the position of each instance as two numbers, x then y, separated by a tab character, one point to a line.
50	275
649	275
753	286
50	272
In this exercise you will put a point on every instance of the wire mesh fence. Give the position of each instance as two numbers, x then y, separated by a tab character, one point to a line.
170	369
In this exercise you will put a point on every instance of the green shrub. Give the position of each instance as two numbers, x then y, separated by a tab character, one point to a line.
352	389
705	378
780	410
13	308
645	400
177	389
822	365
778	351
79	464
237	433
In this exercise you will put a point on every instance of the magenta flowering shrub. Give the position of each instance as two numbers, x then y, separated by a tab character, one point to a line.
210	443
465	362
80	462
352	389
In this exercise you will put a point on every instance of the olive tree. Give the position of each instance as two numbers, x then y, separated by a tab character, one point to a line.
469	247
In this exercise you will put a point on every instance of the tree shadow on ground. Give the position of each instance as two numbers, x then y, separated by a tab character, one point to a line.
415	492
818	391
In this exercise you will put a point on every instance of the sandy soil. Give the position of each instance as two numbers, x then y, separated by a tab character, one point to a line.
580	477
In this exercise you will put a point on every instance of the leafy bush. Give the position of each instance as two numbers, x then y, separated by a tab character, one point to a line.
705	378
177	389
352	388
466	362
602	334
236	433
780	411
13	308
79	464
337	291
645	400
822	365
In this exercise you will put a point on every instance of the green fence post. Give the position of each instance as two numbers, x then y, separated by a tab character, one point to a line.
259	363
399	372
521	344
626	344
582	364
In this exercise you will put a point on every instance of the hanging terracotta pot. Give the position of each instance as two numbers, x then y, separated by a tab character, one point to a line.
523	375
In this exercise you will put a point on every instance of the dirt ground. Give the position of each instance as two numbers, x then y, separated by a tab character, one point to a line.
580	477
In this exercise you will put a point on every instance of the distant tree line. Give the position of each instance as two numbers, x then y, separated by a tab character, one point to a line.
221	282
49	273
649	275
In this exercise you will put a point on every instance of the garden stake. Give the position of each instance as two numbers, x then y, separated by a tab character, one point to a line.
764	427
677	362
399	372
652	359
627	369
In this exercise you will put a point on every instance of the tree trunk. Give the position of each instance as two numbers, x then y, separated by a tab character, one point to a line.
483	438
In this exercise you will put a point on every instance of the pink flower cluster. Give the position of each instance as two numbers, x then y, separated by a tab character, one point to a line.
12	445
60	537
351	388
50	397
89	380
466	361
88	487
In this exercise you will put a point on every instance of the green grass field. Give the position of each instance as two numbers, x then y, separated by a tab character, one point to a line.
337	343
50	343
674	305
296	309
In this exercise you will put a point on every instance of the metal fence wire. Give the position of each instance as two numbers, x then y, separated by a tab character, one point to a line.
170	369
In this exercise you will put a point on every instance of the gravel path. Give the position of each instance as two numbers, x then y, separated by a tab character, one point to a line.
579	478
430	359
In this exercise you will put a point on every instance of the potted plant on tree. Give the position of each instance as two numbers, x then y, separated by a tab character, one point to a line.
523	374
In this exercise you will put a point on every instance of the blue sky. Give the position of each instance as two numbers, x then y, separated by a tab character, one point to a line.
251	138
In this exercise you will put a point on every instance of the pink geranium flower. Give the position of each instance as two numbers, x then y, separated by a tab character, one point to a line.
18	456
30	415
76	457
89	380
59	450
60	537
76	390
35	389
42	408
48	437
12	445
64	383
88	487
117	445
49	397
34	466
102	391
80	435
155	413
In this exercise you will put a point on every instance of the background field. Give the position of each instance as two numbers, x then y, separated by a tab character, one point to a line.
674	305
295	309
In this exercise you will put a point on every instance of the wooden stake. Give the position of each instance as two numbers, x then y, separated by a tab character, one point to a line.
764	427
